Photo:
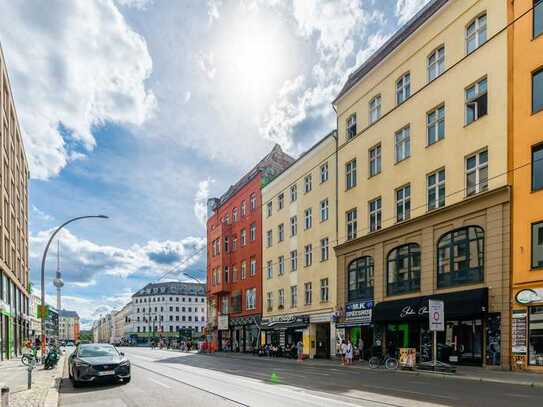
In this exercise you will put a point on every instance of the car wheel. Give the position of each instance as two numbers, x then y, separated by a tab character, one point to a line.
127	380
75	383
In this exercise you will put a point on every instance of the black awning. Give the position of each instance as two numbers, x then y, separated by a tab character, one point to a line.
284	322
458	305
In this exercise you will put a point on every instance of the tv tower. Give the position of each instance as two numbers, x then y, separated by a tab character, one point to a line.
58	282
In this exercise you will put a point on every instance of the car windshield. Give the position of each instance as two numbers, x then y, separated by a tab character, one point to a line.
96	351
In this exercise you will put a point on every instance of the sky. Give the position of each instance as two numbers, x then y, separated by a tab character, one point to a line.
143	109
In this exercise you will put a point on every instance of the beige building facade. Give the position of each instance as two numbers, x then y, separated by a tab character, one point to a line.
298	266
423	199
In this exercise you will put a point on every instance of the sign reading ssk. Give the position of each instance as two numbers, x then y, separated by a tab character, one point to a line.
436	315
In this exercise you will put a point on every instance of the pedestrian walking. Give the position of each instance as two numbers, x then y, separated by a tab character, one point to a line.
349	353
300	350
343	350
361	349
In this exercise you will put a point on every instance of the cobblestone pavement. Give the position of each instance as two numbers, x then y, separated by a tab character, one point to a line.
14	374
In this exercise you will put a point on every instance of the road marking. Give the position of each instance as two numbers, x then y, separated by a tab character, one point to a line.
526	396
160	383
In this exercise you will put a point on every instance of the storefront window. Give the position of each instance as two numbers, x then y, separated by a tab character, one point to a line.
460	257
360	273
535	342
403	269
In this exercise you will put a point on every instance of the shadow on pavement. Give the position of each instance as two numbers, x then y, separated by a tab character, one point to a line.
66	386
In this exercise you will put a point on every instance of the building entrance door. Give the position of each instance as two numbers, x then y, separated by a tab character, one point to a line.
323	341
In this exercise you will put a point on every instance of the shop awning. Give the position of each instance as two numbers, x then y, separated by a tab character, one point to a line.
285	322
458	305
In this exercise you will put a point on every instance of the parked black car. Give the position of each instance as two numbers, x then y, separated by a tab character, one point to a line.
97	361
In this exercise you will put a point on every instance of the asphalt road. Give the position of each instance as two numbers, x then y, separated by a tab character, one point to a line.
163	378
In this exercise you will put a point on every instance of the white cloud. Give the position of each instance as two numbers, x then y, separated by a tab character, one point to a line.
187	96
205	61
200	200
84	260
405	9
137	4
75	65
40	214
213	9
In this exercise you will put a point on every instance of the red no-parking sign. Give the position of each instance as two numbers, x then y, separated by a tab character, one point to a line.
436	315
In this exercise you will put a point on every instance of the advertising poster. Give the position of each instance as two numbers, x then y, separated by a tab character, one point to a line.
408	358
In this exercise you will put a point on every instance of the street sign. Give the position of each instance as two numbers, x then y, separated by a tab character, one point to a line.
436	315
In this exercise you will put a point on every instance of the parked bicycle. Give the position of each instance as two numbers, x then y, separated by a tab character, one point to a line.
384	360
31	359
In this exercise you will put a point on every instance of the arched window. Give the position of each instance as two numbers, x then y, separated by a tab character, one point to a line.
460	257
360	279
403	269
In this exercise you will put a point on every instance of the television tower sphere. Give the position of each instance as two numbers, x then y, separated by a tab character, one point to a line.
58	282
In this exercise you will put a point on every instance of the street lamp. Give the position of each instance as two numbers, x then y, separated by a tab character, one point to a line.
43	271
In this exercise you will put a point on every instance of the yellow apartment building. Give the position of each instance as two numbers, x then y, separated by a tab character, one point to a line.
423	195
526	163
299	265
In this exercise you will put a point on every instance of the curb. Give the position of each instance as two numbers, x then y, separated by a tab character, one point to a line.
449	376
52	398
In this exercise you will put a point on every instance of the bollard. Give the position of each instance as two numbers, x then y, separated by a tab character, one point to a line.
29	375
4	395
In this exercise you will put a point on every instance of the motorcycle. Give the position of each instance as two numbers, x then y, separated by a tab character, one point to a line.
52	358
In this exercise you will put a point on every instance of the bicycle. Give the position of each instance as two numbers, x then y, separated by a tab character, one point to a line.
384	360
31	359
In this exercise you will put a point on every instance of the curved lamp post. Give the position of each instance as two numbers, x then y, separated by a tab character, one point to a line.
42	314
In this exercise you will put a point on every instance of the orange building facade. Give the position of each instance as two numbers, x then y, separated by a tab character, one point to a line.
526	177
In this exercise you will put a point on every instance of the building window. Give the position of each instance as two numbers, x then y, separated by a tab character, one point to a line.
374	207
253	266
324	290
281	265
436	63
477	173
308	183
435	125
234	275
293	226
227	219
308	255
269	238
537	245
281	232
350	174
351	220
324	172
308	294
537	167
293	193
403	269
476	101
460	257
324	249
294	260
436	189
294	296
538	18
252	232
281	295
537	88
375	160
308	220
351	126
269	207
360	279
235	215
324	210
280	201
403	203
250	296
535	335
243	237
269	269
402	142
243	270
403	88
269	300
253	202
243	209
476	33
375	109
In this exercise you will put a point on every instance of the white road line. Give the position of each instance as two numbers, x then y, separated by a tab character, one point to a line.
160	383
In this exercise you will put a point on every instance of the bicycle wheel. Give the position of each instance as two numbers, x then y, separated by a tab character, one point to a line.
26	360
374	362
391	363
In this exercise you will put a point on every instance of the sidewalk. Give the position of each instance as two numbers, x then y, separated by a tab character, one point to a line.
462	373
44	383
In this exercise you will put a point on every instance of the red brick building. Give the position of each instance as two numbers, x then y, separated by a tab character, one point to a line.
234	257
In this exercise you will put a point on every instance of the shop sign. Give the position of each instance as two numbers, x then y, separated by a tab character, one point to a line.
287	319
408	357
518	332
359	311
223	323
529	296
411	310
436	315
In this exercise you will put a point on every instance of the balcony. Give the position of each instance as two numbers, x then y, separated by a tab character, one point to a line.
219	288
